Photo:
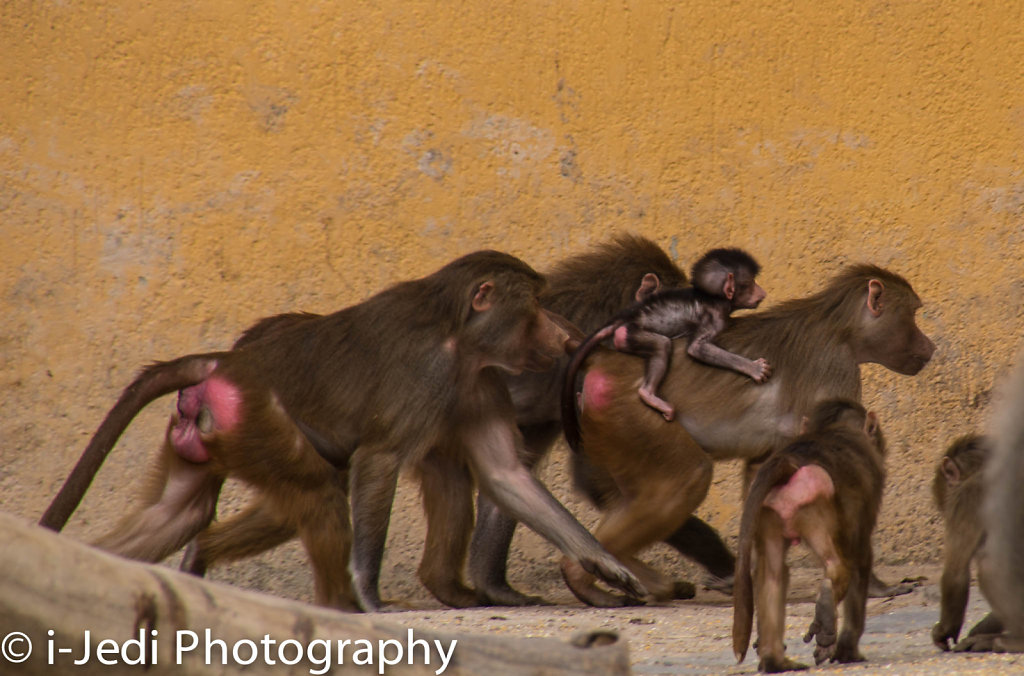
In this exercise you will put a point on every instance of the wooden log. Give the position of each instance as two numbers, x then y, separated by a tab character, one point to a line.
61	595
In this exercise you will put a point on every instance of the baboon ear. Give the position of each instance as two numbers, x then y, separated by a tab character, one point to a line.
649	285
484	298
951	471
871	424
875	290
729	287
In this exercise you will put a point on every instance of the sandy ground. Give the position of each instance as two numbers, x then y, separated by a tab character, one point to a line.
694	637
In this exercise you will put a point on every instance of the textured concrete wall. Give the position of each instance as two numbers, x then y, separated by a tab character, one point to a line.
171	171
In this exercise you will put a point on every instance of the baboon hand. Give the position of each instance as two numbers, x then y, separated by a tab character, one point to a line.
943	637
761	370
825	646
608	569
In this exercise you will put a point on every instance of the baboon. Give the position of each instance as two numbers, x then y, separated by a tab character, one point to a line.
657	474
413	370
824	489
723	280
958	488
586	288
1000	571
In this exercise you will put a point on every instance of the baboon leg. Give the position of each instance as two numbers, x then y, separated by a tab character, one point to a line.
639	520
372	482
326	533
492	536
771	585
305	492
179	501
701	543
816	523
658	351
252	531
990	624
854	611
982	636
447	486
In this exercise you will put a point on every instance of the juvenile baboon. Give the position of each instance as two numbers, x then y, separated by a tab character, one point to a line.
958	488
412	370
723	280
824	489
655	474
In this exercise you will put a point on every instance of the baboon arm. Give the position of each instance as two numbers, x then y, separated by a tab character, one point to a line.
372	480
955	587
702	349
494	447
492	451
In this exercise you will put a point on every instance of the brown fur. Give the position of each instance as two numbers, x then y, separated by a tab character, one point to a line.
958	488
724	280
586	288
815	344
988	518
582	288
836	522
1001	571
404	373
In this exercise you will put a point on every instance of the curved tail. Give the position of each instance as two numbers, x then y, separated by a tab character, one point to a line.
570	416
155	381
771	474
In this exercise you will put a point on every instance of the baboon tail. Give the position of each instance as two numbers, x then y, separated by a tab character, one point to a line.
770	475
570	416
155	381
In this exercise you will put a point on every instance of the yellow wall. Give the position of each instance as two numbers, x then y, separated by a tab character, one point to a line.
171	171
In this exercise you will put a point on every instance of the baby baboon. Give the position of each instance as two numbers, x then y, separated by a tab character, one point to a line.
723	281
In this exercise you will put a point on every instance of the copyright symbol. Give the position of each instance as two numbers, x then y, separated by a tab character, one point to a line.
16	647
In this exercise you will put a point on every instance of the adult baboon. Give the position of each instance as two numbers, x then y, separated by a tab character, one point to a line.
658	473
411	371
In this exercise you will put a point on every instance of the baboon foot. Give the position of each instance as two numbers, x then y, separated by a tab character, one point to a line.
1008	643
774	665
581	584
384	607
847	654
719	584
507	596
823	627
978	643
609	570
659	587
453	594
682	590
658	404
880	590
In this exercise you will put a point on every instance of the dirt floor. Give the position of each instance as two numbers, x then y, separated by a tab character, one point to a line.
694	637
